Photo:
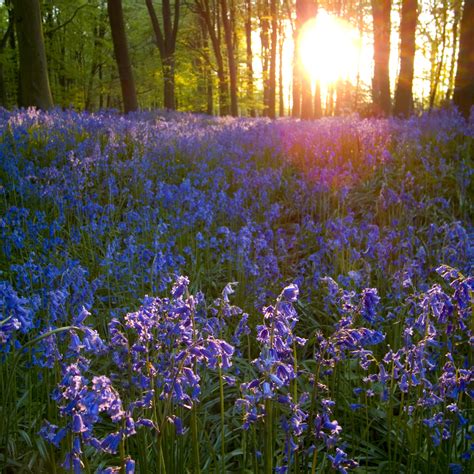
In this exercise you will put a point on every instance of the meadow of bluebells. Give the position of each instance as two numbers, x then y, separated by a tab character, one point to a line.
181	293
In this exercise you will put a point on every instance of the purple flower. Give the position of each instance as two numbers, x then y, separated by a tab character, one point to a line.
290	293
78	424
180	286
129	466
341	462
111	442
369	302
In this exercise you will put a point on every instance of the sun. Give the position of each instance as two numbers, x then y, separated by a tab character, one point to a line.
329	49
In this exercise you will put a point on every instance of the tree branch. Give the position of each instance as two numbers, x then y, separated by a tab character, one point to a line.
160	42
3	43
62	25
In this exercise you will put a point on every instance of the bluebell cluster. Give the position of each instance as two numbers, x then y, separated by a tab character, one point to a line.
330	283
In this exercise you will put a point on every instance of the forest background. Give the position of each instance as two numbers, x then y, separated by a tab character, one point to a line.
233	57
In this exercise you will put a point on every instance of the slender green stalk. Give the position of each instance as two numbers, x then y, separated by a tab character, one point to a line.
222	410
315	461
268	460
195	441
295	399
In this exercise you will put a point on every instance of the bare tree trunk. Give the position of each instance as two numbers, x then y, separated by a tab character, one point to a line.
439	62
248	42
404	95
330	101
306	98
381	81
318	113
168	68
204	10
360	22
305	10
34	81
101	93
457	17
166	42
230	57
119	39
204	66
99	33
210	94
3	45
281	41
296	89
273	59
265	42
340	97
464	84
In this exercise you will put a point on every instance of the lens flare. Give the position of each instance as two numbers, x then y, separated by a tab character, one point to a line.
329	48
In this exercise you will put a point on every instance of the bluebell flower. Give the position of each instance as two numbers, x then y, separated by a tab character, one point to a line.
369	302
341	462
111	442
129	466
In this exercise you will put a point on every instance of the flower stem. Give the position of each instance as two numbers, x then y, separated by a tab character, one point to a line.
222	407
268	461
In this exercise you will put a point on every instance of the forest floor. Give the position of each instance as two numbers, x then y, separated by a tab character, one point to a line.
183	293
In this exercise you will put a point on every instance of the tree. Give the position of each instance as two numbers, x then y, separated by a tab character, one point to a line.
273	60
7	38
302	96
98	33
203	9
33	71
457	4
166	42
226	23
249	55
463	96
119	39
381	81
265	43
403	94
281	42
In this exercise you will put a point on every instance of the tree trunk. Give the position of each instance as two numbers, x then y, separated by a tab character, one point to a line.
117	27
34	81
209	94
230	57
3	45
404	95
3	92
204	11
264	16
306	98
281	42
205	84
452	68
305	10
99	34
296	89
248	42
438	65
166	42
273	60
464	84
340	97
168	68
381	81
318	113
